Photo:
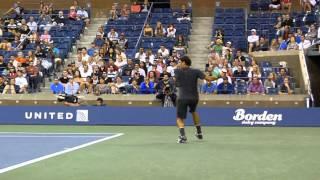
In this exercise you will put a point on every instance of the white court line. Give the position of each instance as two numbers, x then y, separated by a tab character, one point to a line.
57	153
46	133
44	136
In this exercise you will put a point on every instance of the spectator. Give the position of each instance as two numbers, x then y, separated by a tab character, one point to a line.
171	31
308	4
145	7
123	42
148	31
163	51
71	88
159	31
275	5
180	44
286	4
99	41
21	82
113	35
73	14
255	86
240	74
253	40
45	22
304	44
223	76
269	82
65	78
113	13
92	50
84	57
254	72
16	11
139	70
33	26
83	15
134	87
293	45
140	55
12	26
118	87
208	87
263	44
312	33
2	84
56	87
59	19
138	78
185	14
225	87
46	37
33	76
85	71
101	88
11	87
147	87
150	57
86	85
283	44
135	8
274	45
125	12
164	83
285	87
282	76
99	102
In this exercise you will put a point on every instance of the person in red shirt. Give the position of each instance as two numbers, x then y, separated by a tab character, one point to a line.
286	4
135	8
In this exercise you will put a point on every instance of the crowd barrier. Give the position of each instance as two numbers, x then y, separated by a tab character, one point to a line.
26	115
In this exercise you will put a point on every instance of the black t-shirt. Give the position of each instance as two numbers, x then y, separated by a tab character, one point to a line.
64	80
187	83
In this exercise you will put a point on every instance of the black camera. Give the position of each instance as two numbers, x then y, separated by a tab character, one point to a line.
68	98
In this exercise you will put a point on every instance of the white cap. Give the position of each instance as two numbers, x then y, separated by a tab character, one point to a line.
229	42
253	30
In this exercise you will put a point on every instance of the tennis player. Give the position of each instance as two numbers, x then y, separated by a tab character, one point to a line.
188	96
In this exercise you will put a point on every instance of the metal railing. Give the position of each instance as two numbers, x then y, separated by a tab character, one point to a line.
144	24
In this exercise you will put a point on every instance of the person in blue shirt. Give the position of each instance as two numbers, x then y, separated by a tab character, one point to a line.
225	87
283	44
209	87
72	87
92	49
147	87
56	87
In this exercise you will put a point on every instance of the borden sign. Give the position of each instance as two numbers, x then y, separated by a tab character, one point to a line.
256	119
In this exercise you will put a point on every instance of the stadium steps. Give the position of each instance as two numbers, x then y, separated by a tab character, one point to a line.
87	37
200	37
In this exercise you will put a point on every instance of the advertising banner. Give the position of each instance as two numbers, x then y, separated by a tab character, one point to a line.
299	117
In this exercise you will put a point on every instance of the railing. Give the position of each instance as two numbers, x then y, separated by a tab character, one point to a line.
305	76
144	24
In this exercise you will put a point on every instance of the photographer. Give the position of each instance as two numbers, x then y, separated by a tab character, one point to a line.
69	100
165	89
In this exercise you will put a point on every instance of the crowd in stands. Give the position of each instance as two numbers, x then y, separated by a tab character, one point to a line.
107	67
239	73
29	49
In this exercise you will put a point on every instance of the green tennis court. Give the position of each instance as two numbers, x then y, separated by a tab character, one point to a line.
151	153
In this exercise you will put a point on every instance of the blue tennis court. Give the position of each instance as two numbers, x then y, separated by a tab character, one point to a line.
21	149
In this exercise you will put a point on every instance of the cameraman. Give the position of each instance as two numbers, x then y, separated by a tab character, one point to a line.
165	91
69	100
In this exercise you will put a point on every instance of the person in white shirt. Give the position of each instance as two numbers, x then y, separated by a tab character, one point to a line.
141	55
139	70
83	15
163	51
21	82
304	44
223	75
84	55
85	71
33	26
113	35
171	31
253	40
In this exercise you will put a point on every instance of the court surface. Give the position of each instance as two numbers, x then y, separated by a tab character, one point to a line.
144	153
